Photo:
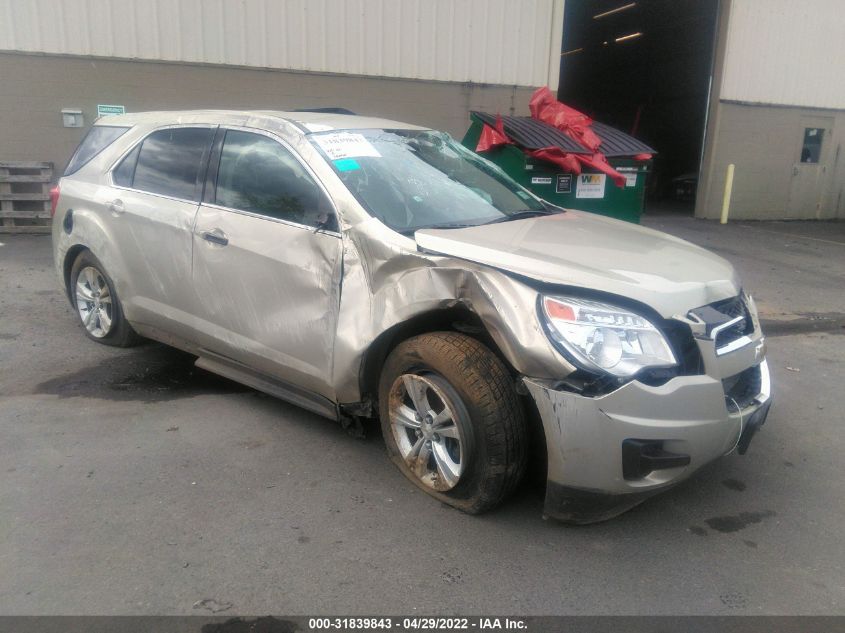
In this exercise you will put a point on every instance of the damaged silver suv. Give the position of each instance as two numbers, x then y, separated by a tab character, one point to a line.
360	267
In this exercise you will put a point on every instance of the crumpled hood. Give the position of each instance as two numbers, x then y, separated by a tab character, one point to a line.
589	251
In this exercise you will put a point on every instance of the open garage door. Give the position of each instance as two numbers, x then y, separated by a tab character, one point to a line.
645	68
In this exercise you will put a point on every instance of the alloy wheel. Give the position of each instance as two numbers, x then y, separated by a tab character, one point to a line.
426	430
94	302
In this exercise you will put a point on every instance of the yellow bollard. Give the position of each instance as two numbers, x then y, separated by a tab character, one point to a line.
726	199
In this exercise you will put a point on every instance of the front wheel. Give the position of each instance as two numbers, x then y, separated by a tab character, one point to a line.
452	421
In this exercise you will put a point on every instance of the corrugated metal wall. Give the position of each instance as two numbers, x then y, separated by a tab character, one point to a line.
786	52
508	42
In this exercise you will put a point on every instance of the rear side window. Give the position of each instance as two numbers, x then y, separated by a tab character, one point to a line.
259	175
125	172
98	138
168	163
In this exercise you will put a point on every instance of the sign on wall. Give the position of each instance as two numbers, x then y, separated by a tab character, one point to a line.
564	183
108	110
590	186
630	174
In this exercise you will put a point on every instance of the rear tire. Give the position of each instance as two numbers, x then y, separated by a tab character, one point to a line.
452	421
97	304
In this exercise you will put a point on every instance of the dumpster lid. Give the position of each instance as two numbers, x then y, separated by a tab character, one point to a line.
533	134
616	143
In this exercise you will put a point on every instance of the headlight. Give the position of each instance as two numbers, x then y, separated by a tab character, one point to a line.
604	338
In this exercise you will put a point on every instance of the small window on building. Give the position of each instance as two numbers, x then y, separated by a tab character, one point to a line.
170	160
812	148
98	138
260	176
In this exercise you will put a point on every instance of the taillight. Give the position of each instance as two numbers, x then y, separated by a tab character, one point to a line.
54	200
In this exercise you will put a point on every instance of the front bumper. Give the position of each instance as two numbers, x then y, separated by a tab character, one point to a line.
590	476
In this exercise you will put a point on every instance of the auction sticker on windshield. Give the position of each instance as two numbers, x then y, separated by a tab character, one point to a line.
345	145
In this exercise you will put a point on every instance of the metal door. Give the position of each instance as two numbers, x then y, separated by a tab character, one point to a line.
267	288
152	205
811	170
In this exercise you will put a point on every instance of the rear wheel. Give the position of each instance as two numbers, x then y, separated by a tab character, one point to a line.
451	420
97	303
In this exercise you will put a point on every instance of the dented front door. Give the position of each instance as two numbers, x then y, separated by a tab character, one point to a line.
267	296
267	262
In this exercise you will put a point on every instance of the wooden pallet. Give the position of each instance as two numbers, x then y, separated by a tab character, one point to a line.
25	196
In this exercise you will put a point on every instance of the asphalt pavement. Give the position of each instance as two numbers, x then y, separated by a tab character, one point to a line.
133	483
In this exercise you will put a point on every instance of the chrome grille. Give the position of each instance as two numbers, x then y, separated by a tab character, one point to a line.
733	308
727	321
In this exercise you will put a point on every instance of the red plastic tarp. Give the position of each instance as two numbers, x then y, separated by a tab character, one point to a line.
576	125
492	136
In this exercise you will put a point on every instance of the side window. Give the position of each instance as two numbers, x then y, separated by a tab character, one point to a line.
258	175
169	162
98	138
123	174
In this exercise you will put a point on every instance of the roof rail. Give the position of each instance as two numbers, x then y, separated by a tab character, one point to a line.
325	110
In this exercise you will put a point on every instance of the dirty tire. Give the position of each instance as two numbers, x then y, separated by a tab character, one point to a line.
120	333
492	422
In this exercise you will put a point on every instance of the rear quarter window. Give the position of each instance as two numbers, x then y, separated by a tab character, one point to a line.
124	174
98	138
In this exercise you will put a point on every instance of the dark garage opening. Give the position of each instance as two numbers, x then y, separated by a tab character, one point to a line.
645	68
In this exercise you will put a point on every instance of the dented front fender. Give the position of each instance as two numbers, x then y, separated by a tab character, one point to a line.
388	281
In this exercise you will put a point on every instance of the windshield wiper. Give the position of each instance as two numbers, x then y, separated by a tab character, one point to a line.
444	225
525	213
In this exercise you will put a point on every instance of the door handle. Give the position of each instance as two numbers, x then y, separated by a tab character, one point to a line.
116	206
215	236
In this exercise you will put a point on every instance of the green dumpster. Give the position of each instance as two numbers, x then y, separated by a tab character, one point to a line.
590	190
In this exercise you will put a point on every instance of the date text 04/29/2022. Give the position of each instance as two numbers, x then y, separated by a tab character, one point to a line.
417	623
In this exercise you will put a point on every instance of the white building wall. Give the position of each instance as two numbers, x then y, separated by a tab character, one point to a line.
504	42
786	52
